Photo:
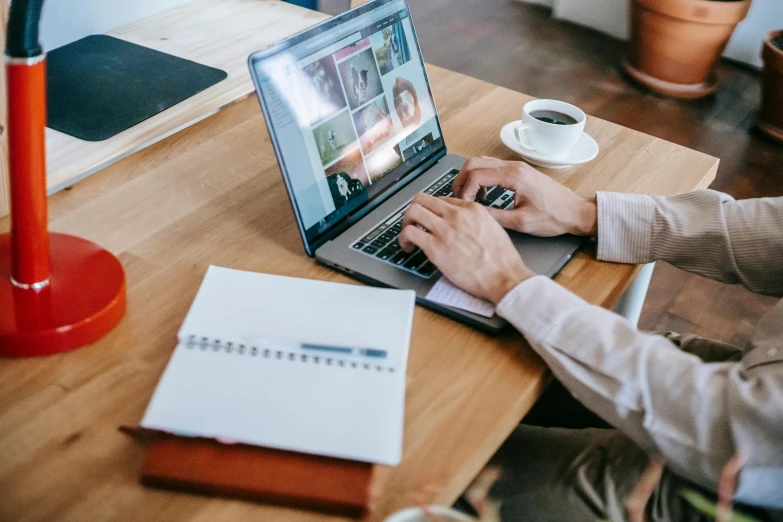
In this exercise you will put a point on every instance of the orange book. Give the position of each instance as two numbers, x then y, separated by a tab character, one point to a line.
342	487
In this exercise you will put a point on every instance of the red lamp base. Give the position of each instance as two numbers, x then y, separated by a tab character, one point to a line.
84	300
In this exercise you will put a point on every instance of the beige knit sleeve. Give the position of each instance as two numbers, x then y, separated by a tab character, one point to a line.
704	232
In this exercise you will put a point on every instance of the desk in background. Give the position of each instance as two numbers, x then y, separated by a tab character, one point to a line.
212	194
216	33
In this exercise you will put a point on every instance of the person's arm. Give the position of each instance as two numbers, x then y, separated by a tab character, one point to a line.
705	232
695	414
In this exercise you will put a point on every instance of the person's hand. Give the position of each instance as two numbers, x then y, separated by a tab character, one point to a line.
466	244
542	206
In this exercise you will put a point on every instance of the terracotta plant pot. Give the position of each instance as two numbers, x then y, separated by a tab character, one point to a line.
771	115
676	43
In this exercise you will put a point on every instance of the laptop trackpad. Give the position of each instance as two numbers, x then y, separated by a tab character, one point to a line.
546	255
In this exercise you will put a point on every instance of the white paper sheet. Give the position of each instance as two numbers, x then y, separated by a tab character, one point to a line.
446	293
327	407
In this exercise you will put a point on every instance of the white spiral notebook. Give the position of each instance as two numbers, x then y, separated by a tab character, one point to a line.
291	364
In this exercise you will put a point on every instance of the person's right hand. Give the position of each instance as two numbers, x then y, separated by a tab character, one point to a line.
542	206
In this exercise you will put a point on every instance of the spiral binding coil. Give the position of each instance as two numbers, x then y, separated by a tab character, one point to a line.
216	345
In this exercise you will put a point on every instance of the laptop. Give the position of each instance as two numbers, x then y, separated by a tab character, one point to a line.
357	135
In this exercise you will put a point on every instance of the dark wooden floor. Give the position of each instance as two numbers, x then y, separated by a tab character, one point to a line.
521	47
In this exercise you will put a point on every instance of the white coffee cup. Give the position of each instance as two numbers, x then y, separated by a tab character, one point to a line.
545	137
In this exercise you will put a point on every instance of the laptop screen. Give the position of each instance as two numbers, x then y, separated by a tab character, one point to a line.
350	111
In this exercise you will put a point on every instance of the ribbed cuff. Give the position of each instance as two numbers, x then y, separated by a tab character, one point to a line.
624	227
535	307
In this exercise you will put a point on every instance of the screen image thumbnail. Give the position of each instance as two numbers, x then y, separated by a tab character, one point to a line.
323	95
347	178
349	50
373	124
394	51
361	79
406	102
334	137
419	146
383	161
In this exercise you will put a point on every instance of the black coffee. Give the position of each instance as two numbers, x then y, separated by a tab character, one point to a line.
558	118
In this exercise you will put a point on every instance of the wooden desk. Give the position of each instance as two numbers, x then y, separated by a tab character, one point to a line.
212	194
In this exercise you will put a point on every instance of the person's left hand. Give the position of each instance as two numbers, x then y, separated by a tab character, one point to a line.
466	244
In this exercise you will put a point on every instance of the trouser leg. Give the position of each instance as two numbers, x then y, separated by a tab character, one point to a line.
555	474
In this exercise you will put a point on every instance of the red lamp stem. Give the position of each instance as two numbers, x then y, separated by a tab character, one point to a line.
26	77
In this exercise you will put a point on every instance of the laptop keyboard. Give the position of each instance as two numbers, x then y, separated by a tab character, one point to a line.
381	243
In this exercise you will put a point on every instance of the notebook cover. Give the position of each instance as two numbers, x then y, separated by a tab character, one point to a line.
299	480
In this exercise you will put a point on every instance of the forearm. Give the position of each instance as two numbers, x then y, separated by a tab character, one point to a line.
579	344
704	232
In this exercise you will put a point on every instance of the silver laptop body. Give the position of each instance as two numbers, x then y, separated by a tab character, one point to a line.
356	132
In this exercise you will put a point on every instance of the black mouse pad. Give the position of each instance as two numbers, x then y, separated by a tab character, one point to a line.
100	86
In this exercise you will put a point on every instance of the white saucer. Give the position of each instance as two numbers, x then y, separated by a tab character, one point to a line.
586	149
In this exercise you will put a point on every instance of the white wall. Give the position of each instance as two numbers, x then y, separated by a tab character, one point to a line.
764	16
611	17
64	21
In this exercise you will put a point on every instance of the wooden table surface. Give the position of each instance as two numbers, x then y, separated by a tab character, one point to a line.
212	194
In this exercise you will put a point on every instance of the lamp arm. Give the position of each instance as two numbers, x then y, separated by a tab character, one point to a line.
23	22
